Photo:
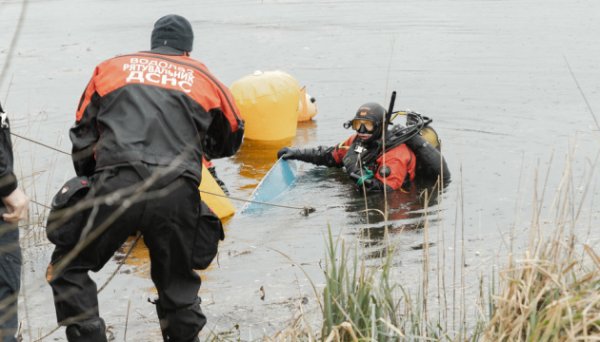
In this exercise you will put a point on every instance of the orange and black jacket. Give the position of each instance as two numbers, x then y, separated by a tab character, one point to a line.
152	108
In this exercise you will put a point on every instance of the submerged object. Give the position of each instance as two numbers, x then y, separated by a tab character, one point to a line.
212	194
268	102
279	178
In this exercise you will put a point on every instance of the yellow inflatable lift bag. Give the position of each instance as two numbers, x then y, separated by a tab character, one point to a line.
268	102
220	205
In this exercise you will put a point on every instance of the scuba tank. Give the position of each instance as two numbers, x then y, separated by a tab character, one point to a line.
424	141
431	165
431	136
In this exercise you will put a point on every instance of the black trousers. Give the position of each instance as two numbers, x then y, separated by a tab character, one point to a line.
10	279
167	216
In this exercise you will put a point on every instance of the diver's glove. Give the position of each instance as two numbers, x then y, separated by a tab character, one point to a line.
368	182
319	155
366	176
287	153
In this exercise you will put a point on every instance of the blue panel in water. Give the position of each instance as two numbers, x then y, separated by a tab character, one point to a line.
280	177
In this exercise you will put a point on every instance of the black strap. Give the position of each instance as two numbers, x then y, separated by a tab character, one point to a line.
141	169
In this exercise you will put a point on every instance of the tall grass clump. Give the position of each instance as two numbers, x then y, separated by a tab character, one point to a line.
360	303
552	294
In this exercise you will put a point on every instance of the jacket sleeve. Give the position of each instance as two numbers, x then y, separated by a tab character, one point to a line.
84	133
320	155
333	156
226	131
8	181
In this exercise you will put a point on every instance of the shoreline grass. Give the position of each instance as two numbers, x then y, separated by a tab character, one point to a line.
549	293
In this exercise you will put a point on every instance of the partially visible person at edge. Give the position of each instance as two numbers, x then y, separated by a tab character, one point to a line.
362	157
144	114
13	208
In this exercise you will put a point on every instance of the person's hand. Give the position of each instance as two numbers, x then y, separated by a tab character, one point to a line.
17	204
286	153
367	182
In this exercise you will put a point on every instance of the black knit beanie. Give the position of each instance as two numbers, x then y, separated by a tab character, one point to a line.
174	31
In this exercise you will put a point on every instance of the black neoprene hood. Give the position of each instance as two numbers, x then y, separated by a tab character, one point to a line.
374	112
174	31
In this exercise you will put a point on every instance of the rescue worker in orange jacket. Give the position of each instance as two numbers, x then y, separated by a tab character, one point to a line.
142	127
363	158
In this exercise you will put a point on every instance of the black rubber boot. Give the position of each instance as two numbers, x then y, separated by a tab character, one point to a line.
181	325
93	330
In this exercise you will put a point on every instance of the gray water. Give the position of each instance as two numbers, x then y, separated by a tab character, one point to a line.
492	74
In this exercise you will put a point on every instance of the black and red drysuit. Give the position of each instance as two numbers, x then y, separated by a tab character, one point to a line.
364	161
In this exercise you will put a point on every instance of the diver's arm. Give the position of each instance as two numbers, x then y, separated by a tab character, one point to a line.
320	155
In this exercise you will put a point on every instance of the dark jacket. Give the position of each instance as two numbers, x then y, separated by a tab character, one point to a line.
8	181
152	107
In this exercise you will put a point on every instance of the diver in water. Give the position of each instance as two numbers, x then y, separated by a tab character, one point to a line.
408	157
